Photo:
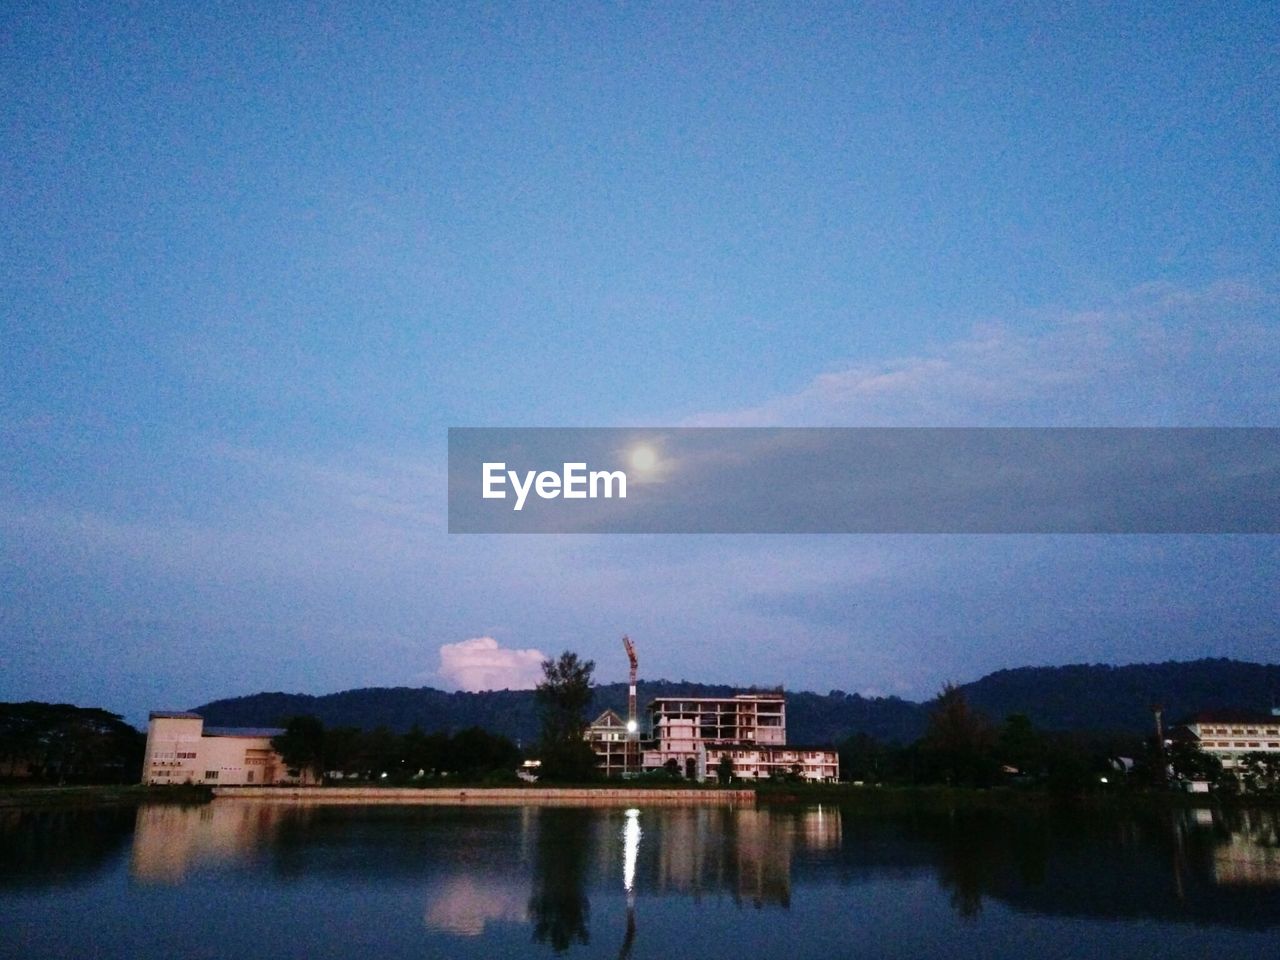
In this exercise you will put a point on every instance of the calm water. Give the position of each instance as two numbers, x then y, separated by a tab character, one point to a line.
237	878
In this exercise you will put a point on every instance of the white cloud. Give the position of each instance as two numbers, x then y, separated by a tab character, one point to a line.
482	664
1156	356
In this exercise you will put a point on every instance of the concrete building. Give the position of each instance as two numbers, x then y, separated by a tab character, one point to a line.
616	754
756	762
750	729
181	749
1229	734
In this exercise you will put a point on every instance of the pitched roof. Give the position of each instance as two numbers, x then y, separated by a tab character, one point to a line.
608	719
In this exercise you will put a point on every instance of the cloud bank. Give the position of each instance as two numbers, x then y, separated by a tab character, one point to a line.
481	663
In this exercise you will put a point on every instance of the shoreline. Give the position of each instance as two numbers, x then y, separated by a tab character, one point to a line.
868	799
490	796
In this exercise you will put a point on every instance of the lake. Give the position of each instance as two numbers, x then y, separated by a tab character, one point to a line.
260	879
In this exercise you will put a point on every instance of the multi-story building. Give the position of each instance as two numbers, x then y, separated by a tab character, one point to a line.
1229	734
757	762
750	729
181	749
616	753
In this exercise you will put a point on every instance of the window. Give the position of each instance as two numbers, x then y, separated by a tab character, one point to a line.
211	774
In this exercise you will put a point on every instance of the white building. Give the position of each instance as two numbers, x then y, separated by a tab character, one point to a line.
1229	734
750	729
181	749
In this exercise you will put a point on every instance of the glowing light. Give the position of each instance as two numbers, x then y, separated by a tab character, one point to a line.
630	849
632	726
643	458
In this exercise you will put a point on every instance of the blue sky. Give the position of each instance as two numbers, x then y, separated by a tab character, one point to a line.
254	262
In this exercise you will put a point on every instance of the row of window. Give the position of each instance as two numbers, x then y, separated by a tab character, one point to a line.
1244	731
1246	744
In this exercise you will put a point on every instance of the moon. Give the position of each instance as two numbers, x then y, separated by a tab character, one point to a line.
643	458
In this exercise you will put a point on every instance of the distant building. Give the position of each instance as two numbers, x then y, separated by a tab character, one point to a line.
181	749
615	753
750	729
1229	734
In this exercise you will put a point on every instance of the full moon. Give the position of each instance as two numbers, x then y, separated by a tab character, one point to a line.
643	458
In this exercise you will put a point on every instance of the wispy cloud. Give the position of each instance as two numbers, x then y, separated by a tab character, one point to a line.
1158	356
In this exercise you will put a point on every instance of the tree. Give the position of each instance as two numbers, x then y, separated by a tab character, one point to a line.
959	743
1260	772
1021	746
301	746
564	695
1189	762
724	769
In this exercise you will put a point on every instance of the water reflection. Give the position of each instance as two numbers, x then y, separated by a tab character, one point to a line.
558	907
58	847
540	865
607	881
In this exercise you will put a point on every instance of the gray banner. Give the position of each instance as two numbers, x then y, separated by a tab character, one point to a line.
864	480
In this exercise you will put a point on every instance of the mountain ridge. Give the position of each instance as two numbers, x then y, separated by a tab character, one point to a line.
1071	697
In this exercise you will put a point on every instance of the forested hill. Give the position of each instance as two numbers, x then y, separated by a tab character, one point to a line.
1082	697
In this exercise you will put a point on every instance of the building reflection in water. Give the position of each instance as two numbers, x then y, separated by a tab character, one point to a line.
171	841
541	867
1250	853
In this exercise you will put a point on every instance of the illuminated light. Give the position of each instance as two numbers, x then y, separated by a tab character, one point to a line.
630	848
1102	779
643	458
632	726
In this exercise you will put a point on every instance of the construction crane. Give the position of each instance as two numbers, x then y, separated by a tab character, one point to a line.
632	726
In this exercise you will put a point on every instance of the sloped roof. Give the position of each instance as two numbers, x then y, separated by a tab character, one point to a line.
608	719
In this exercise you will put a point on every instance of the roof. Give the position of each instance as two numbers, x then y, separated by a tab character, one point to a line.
174	715
243	731
608	719
1232	716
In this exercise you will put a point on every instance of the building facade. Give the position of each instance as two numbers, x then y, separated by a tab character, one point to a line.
695	734
181	749
1230	734
616	753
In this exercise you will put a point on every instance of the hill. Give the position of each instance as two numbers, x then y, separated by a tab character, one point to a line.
1093	697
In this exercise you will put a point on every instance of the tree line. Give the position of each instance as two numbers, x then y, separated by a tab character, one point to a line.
962	747
317	753
61	743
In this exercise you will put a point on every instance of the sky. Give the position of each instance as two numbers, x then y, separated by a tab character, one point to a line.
255	260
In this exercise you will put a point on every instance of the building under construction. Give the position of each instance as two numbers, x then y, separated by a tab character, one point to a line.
694	735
